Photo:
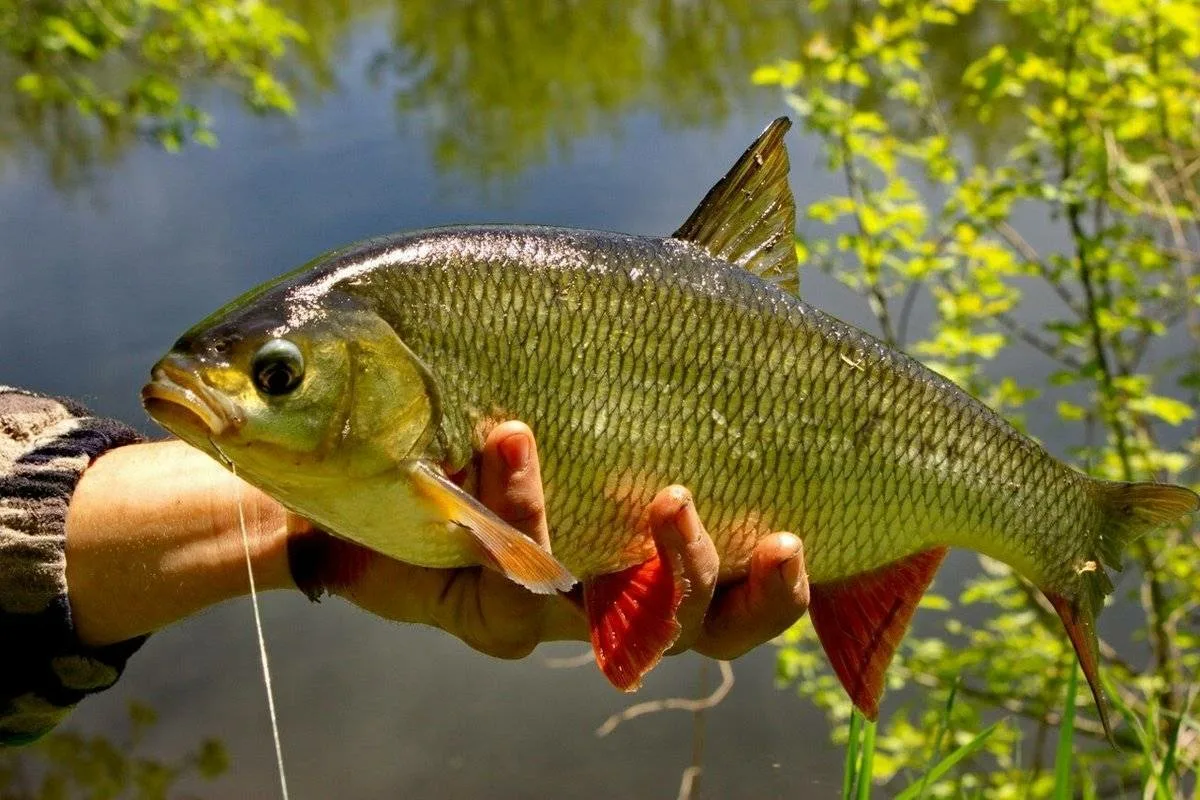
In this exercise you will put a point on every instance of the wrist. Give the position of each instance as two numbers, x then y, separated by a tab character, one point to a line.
154	535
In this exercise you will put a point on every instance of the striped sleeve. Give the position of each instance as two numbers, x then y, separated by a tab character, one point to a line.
45	445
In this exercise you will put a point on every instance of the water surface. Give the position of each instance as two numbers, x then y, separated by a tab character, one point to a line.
595	119
98	278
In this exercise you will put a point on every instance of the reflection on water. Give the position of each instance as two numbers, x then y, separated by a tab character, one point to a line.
107	765
492	85
497	84
595	114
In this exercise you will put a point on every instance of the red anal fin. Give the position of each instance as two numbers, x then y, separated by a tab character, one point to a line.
861	620
631	615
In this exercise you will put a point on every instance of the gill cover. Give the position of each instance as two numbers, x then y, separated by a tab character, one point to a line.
391	398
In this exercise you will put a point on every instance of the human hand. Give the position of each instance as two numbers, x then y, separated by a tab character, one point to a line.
497	617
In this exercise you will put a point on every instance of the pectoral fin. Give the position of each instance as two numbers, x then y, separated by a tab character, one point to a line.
631	615
503	547
861	620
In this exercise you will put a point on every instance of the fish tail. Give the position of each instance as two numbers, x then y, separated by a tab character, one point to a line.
1128	511
1133	509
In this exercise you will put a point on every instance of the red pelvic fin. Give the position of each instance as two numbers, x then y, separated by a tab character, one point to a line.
631	614
1081	629
861	620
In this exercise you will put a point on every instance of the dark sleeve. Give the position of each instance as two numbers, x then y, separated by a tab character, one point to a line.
45	445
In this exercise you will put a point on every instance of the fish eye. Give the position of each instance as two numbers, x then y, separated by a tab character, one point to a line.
277	367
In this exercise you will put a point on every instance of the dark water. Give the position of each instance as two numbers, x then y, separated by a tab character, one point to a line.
98	276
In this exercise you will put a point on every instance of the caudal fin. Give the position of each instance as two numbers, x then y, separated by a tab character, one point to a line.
1130	510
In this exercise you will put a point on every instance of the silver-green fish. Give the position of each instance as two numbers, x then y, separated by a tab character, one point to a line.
351	388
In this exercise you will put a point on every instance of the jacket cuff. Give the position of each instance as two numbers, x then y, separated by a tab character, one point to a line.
45	445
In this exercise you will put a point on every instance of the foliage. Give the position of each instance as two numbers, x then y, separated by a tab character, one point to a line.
69	764
79	71
493	87
1105	152
497	86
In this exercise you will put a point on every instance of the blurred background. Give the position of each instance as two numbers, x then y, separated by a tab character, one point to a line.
159	158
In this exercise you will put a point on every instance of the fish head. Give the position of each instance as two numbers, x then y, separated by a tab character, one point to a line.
295	401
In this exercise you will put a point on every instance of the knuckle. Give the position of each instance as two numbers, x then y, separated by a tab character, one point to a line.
522	510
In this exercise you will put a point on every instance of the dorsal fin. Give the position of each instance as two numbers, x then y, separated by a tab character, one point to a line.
860	621
749	217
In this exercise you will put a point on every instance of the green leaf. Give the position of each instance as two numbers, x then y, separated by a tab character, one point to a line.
1168	409
1071	412
212	761
935	602
785	74
30	83
70	37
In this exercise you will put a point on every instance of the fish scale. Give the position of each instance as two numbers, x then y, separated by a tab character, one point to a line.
624	352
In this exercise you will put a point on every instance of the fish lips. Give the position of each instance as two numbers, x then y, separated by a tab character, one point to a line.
178	399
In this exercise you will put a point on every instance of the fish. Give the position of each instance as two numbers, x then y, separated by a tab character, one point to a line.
358	391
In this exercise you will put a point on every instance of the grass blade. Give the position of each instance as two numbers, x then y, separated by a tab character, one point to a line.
850	772
1139	731
948	763
1147	742
1064	756
939	740
868	762
1168	765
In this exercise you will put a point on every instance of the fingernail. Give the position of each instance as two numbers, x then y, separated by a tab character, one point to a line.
790	568
515	451
686	520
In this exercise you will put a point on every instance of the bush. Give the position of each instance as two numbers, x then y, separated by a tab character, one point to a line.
1098	109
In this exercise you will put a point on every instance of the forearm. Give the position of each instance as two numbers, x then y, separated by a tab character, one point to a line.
153	536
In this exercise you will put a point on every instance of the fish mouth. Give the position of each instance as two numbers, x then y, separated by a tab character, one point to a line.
179	400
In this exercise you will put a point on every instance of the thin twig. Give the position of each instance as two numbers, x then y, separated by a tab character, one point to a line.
689	782
856	186
1017	242
571	662
1006	321
672	703
910	299
1178	254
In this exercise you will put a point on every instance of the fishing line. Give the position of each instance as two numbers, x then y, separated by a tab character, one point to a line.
262	642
